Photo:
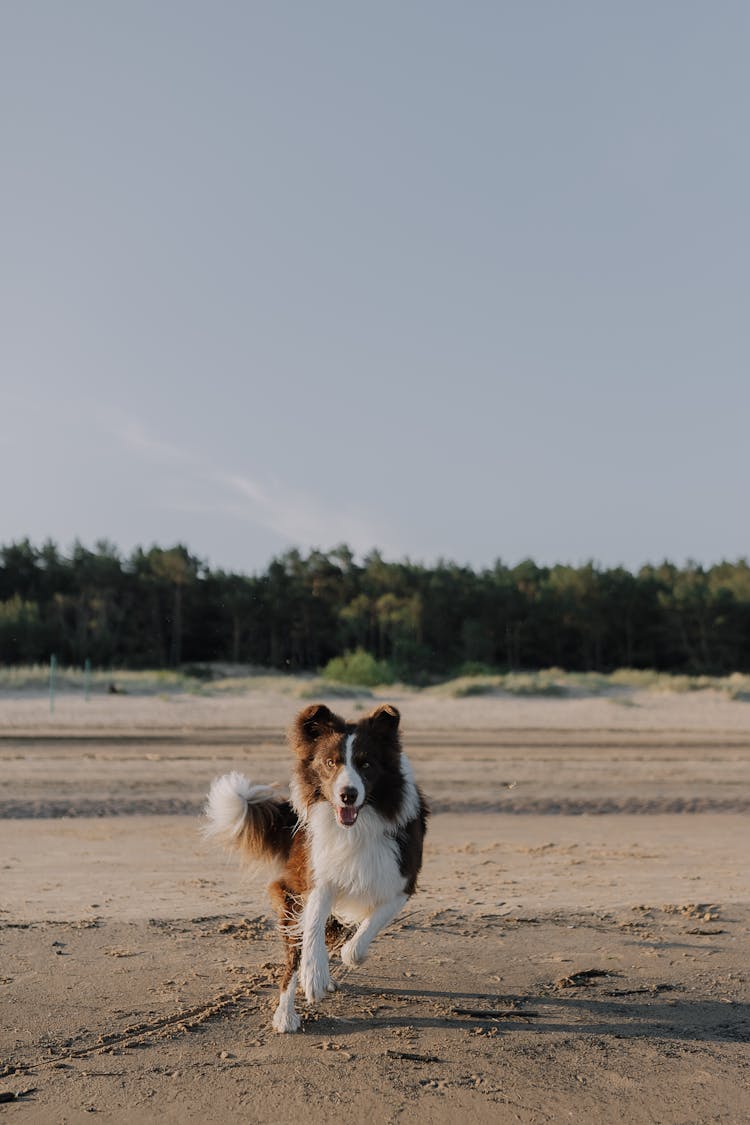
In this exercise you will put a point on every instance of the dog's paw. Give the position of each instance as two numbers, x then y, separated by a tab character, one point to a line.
285	1020
315	978
353	954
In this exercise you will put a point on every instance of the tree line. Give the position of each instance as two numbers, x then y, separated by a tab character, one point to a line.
164	607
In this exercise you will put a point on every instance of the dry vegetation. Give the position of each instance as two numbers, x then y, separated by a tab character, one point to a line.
218	679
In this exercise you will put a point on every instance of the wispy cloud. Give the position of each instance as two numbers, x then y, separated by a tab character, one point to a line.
298	516
294	514
134	435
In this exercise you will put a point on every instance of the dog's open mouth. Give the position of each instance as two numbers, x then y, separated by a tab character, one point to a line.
347	814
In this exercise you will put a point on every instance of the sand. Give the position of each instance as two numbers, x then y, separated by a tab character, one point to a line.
577	950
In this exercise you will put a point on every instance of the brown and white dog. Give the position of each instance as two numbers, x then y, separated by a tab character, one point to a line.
346	848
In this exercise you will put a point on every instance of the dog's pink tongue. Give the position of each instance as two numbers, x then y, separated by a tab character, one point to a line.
347	815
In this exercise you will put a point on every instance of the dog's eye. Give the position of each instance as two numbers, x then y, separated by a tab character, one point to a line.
330	763
364	765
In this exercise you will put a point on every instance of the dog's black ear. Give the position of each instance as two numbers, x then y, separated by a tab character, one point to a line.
385	718
315	720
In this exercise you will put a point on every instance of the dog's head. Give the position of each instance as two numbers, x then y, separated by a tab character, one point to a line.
348	764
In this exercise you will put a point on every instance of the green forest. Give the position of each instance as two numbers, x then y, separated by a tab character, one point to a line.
163	607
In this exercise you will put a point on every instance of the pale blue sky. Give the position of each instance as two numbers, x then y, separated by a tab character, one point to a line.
452	279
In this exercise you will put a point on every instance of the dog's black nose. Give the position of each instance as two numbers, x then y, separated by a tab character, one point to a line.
348	796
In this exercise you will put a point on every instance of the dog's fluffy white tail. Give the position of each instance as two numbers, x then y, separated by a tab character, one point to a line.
253	819
227	805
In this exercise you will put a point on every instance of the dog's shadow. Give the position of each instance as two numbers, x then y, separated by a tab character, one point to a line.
689	1020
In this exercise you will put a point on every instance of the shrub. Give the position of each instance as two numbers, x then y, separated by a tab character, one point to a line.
359	668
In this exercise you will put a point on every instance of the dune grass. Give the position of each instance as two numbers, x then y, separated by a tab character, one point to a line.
513	683
162	681
556	683
36	677
213	680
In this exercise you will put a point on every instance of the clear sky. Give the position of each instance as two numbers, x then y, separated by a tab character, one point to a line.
455	279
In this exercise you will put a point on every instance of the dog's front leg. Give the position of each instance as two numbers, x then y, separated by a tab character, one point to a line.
354	951
315	973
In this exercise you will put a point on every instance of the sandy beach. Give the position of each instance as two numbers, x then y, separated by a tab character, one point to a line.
577	950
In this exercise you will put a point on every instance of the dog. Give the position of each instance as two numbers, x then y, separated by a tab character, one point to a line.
345	850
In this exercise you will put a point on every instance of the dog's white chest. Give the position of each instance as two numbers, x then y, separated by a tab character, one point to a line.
361	863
